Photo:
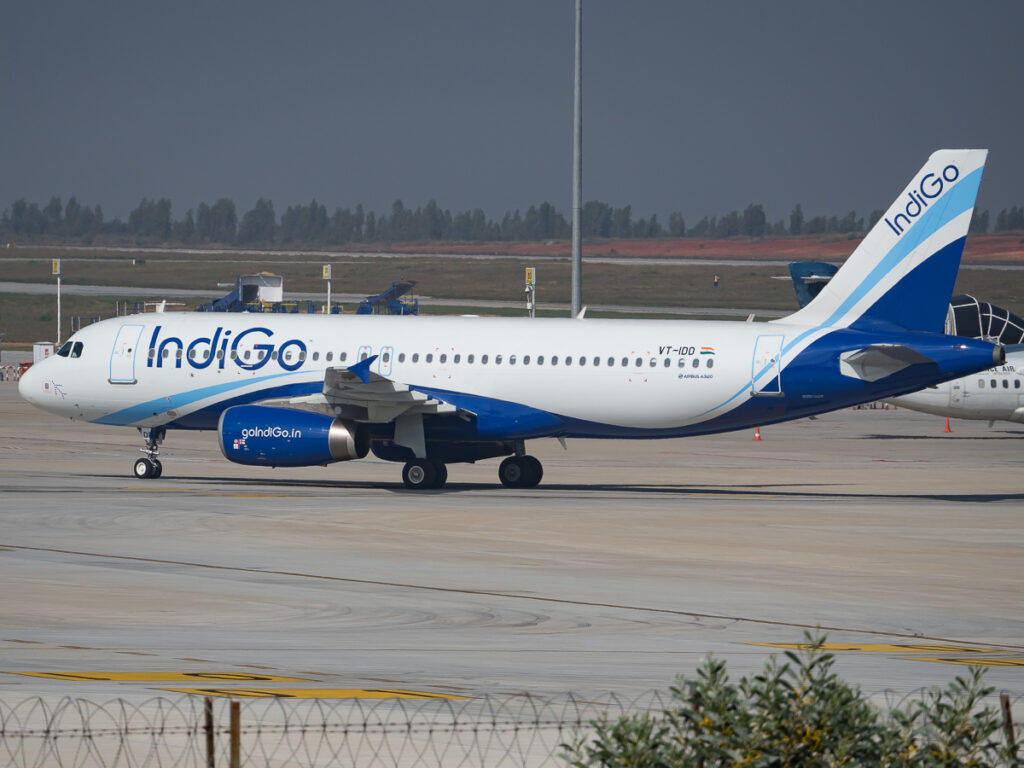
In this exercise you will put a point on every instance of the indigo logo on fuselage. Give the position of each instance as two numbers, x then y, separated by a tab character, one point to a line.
200	353
931	186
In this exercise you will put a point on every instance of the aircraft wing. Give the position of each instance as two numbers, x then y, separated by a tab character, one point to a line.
359	394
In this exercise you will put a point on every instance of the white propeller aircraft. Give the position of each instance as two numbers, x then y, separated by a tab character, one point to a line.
304	390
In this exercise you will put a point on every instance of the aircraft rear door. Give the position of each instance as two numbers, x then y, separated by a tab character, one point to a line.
766	367
122	357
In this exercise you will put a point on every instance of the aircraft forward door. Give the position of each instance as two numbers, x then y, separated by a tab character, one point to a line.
766	367
957	393
122	357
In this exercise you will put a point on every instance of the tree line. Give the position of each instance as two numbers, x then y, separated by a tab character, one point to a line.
311	223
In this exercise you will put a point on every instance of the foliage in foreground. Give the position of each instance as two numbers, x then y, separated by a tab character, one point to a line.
799	713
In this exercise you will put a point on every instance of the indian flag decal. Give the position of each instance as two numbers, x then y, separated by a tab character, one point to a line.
707	350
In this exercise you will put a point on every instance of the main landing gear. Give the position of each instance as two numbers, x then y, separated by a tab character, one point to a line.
520	472
150	467
420	474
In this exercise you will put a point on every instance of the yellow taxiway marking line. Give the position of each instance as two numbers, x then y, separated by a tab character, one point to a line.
972	662
884	647
312	693
175	677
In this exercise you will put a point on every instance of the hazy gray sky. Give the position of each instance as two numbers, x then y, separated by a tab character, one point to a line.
700	107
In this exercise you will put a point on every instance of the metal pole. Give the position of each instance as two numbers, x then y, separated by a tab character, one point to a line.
1011	740
236	737
58	309
328	297
208	727
577	166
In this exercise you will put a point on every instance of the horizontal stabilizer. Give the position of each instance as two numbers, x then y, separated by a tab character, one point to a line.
878	361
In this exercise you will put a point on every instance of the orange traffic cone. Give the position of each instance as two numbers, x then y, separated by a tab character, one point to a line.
757	433
947	425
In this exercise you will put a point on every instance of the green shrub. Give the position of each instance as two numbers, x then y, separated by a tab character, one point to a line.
798	714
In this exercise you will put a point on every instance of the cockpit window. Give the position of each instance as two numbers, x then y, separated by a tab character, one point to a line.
65	350
76	351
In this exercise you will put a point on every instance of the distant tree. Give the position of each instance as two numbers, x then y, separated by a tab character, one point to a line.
875	217
52	216
217	223
753	221
151	218
184	231
676	225
622	222
596	219
979	222
728	225
850	223
370	228
259	225
796	220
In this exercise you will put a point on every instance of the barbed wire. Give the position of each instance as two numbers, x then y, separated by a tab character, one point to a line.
501	731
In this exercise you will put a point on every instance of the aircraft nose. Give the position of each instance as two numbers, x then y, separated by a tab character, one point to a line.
28	385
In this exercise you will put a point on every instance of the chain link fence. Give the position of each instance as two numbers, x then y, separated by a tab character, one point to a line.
503	732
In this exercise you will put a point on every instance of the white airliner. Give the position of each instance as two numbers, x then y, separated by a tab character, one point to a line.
304	390
993	395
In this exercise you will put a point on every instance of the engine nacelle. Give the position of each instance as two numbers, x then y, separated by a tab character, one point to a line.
283	437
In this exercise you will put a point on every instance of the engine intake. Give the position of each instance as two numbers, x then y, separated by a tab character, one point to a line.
283	437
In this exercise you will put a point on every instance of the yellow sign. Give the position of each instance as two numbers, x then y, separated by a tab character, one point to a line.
531	276
311	693
884	647
189	677
327	271
55	267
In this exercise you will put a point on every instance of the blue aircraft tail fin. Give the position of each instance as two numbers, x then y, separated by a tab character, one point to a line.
901	276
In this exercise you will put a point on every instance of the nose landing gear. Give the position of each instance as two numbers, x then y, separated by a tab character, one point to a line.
150	467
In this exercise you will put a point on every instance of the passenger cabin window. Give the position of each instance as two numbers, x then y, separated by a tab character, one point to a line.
456	358
583	360
66	349
177	354
511	359
166	353
526	359
316	356
653	363
415	357
540	359
442	359
1006	383
668	362
401	357
568	360
682	362
328	357
386	357
343	356
992	383
469	359
1016	383
711	362
497	359
696	362
220	354
554	359
981	383
430	357
483	359
247	353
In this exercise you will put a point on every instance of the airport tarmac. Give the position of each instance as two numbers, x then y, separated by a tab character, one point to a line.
630	563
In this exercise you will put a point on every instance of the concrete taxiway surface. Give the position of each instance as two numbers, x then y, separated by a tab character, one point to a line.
625	567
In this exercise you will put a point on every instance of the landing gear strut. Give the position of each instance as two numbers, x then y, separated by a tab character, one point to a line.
150	467
420	474
520	472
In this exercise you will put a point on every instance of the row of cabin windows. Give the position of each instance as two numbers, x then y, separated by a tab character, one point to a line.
992	383
553	360
442	358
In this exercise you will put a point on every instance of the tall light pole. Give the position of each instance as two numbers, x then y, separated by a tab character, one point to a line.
577	166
